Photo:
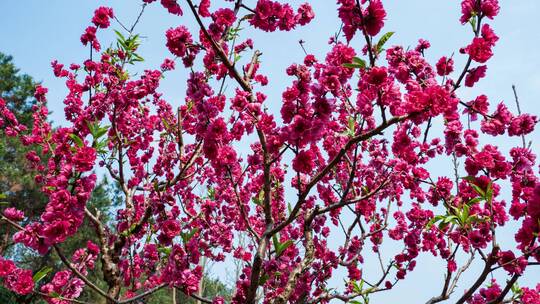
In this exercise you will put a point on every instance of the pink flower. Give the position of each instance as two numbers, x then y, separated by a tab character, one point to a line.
477	239
40	93
373	17
445	66
6	267
89	36
467	8
533	204
522	125
220	300
489	35
20	281
422	45
508	261
310	60
102	16
452	267
172	6
474	75
479	50
92	248
478	106
170	228
224	17
530	296
304	14
178	40
432	101
204	8
167	65
84	159
271	15
150	253
487	294
61	279
498	122
56	232
14	214
377	76
490	8
304	161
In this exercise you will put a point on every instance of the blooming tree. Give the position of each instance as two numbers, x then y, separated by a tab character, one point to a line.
353	145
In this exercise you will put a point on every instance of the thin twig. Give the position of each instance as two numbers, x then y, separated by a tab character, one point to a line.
519	111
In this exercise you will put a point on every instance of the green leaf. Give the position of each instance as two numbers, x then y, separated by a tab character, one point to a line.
450	219
212	194
443	225
357	63
516	290
187	236
489	192
237	57
282	247
77	140
472	21
101	131
137	58
258	200
41	274
352	126
434	220
123	45
264	277
475	200
469	178
120	36
165	250
350	66
128	232
92	127
275	240
357	287
479	190
165	123
279	247
54	294
383	41
465	214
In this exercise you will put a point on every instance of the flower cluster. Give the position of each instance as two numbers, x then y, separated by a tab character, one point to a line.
370	19
272	15
179	43
16	279
102	17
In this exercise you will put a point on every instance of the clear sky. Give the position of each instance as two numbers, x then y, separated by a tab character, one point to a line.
36	32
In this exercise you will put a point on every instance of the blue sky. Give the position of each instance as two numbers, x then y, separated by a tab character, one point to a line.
36	32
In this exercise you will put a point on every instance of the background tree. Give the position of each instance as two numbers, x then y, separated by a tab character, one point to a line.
17	184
